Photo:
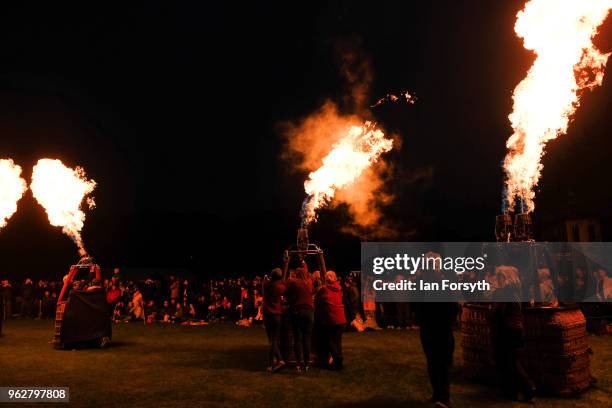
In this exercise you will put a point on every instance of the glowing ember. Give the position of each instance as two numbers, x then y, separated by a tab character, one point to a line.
405	96
560	33
349	157
12	188
61	190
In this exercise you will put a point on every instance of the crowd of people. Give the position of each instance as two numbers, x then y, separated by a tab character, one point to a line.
169	299
188	300
318	308
316	313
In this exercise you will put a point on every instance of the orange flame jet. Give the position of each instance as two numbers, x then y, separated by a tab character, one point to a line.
349	157
61	191
12	188
560	33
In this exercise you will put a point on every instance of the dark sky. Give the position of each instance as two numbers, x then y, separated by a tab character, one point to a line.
173	108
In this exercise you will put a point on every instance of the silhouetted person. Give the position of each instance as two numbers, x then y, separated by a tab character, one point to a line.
436	321
27	298
352	299
7	299
507	336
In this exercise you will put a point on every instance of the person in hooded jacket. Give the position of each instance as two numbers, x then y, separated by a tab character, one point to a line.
273	296
331	320
300	291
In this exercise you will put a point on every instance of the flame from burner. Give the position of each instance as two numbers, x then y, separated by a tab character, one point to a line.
560	33
12	188
348	159
61	191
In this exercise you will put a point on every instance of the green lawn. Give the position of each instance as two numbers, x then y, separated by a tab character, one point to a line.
224	365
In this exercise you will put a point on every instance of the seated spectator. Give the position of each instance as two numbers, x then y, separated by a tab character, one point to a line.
137	309
178	314
164	312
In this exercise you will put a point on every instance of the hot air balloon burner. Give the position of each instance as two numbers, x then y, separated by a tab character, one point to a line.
86	261
301	251
523	227
504	229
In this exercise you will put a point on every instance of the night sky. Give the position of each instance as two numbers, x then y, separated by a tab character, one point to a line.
174	109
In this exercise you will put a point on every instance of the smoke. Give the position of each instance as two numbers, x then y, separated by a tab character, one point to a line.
356	71
339	147
367	202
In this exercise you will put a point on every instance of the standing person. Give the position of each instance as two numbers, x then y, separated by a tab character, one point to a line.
113	296
330	318
27	298
436	321
274	290
369	306
508	335
300	291
351	299
7	298
46	305
174	289
604	285
317	282
402	309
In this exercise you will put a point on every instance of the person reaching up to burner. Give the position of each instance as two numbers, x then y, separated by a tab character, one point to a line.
300	292
272	309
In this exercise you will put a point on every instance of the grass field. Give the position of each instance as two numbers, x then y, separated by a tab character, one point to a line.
224	365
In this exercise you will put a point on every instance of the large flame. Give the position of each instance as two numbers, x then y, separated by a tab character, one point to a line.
560	33
61	191
12	188
348	159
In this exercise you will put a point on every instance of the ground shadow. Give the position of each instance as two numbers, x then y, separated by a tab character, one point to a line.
247	358
119	344
387	402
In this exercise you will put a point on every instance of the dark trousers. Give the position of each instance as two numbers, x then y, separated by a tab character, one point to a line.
403	314
301	323
513	376
26	307
272	323
439	345
5	308
331	343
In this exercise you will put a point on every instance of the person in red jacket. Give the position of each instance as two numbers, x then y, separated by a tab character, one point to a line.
330	318
113	295
300	294
273	293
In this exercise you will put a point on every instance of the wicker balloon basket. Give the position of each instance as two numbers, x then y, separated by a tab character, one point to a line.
556	353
